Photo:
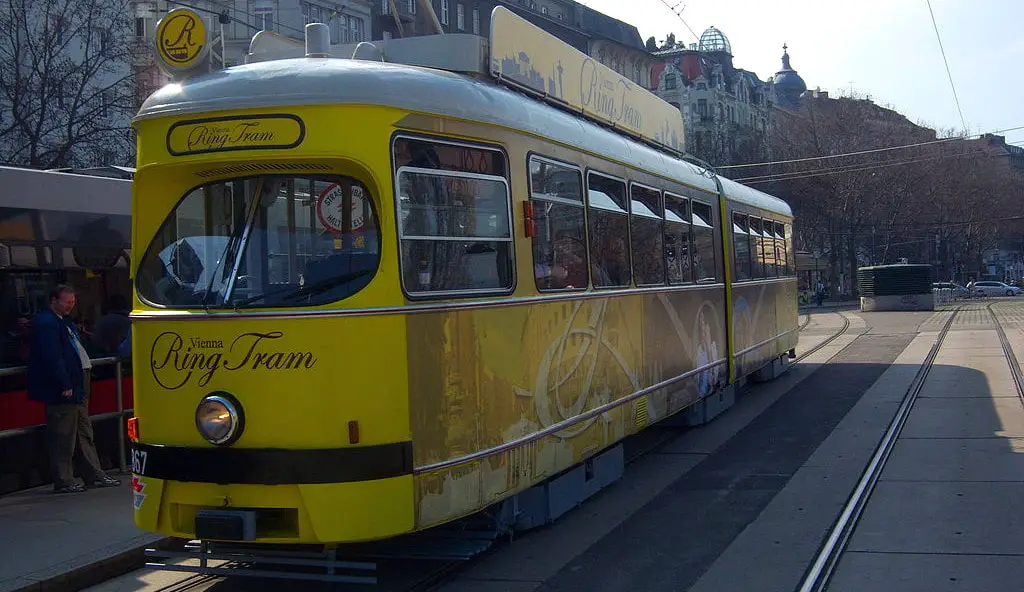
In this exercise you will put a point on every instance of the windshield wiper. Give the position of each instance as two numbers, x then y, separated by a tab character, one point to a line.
308	290
233	250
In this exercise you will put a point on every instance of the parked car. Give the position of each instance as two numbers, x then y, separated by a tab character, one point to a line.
958	290
994	289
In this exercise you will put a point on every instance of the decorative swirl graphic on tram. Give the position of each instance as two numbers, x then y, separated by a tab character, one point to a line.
742	330
553	382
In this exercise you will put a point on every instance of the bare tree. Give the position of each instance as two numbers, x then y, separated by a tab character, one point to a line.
941	200
848	208
66	82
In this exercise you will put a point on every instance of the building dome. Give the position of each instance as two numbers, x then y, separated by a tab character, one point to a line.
788	84
712	41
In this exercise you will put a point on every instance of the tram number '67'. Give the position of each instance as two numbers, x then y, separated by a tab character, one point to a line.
139	462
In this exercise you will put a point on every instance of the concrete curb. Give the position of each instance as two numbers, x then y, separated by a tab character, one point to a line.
100	571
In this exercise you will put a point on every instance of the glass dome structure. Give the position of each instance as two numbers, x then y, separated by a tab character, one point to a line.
713	41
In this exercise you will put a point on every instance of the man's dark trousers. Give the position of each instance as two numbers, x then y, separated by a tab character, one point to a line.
71	441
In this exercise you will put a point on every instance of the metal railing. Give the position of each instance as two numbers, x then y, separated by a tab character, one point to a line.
120	413
947	295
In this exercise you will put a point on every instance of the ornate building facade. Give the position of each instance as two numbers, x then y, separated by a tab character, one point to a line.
726	111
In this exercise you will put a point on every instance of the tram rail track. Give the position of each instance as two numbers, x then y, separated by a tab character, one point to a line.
828	340
818	575
1011	357
432	578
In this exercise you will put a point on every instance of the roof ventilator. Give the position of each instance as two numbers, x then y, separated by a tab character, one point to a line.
318	40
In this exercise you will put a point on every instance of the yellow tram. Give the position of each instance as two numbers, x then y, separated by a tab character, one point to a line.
379	294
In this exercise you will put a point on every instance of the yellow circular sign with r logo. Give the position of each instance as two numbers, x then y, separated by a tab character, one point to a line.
181	39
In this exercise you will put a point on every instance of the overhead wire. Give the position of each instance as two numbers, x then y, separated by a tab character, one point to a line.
850	168
946	62
679	15
823	173
869	166
229	10
873	150
911	227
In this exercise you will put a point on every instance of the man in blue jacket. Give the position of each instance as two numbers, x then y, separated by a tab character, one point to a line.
58	375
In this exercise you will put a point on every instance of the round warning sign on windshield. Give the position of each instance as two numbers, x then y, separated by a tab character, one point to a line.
330	204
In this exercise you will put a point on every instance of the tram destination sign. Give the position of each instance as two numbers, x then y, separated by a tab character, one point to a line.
527	56
222	134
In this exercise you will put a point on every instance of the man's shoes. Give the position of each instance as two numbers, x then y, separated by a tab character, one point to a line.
105	482
73	488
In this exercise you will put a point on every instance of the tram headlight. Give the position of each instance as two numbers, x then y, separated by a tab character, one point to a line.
219	419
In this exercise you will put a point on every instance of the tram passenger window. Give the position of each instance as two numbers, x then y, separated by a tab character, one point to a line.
609	231
704	267
778	252
277	241
788	244
768	248
741	246
677	239
646	223
757	262
559	240
778	256
455	232
448	156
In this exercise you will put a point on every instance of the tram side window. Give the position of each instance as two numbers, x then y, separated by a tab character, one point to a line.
559	240
780	249
757	260
768	248
771	247
454	226
703	243
768	245
741	246
609	231
647	236
677	239
448	156
788	245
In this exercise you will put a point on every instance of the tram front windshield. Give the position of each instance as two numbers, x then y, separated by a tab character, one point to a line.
266	241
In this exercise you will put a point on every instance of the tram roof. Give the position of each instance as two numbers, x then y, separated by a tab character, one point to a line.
333	81
35	189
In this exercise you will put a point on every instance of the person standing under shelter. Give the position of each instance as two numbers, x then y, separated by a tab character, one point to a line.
59	376
112	328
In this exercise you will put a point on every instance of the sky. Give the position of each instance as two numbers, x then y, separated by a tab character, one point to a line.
886	50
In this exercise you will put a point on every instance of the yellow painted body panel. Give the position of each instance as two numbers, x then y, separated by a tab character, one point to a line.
762	311
300	380
489	377
324	512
